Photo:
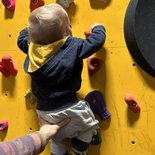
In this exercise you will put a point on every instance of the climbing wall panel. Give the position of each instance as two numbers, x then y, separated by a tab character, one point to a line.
125	132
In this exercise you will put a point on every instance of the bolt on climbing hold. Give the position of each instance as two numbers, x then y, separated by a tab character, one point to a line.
105	1
30	97
3	125
36	4
96	139
9	4
132	102
97	104
65	3
94	64
7	66
87	33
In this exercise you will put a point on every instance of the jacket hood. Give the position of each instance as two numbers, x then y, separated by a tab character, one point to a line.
39	54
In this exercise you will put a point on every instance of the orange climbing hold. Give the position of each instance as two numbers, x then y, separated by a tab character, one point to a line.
87	33
7	66
132	102
36	4
9	4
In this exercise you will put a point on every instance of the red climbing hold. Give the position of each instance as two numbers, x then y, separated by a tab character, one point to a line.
3	125
4	71
9	4
36	4
94	64
7	66
132	102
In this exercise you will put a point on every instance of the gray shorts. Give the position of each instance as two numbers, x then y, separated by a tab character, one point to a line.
83	124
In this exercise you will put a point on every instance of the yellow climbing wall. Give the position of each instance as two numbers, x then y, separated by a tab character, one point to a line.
126	133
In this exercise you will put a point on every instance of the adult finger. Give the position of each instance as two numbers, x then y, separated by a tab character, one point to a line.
42	121
63	122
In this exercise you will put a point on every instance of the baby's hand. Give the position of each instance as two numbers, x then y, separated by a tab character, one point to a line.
96	24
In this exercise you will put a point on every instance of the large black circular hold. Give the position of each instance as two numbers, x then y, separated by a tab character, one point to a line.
139	32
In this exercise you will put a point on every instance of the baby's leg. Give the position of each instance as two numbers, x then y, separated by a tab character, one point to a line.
79	147
81	143
58	147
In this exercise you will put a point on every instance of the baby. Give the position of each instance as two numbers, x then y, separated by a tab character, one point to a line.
55	61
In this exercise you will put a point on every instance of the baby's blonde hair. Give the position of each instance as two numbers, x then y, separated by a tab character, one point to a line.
48	23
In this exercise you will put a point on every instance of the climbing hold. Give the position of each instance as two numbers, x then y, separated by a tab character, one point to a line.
105	1
87	33
96	139
9	4
7	66
8	63
97	104
65	3
94	64
132	102
36	4
30	97
4	71
3	125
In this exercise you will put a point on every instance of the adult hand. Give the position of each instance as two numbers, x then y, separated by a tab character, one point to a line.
50	130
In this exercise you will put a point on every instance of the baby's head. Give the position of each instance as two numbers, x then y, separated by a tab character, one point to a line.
48	23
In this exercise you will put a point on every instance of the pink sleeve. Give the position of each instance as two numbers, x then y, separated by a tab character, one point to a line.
30	144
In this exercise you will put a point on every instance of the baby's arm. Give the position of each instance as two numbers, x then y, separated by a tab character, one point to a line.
23	40
94	42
